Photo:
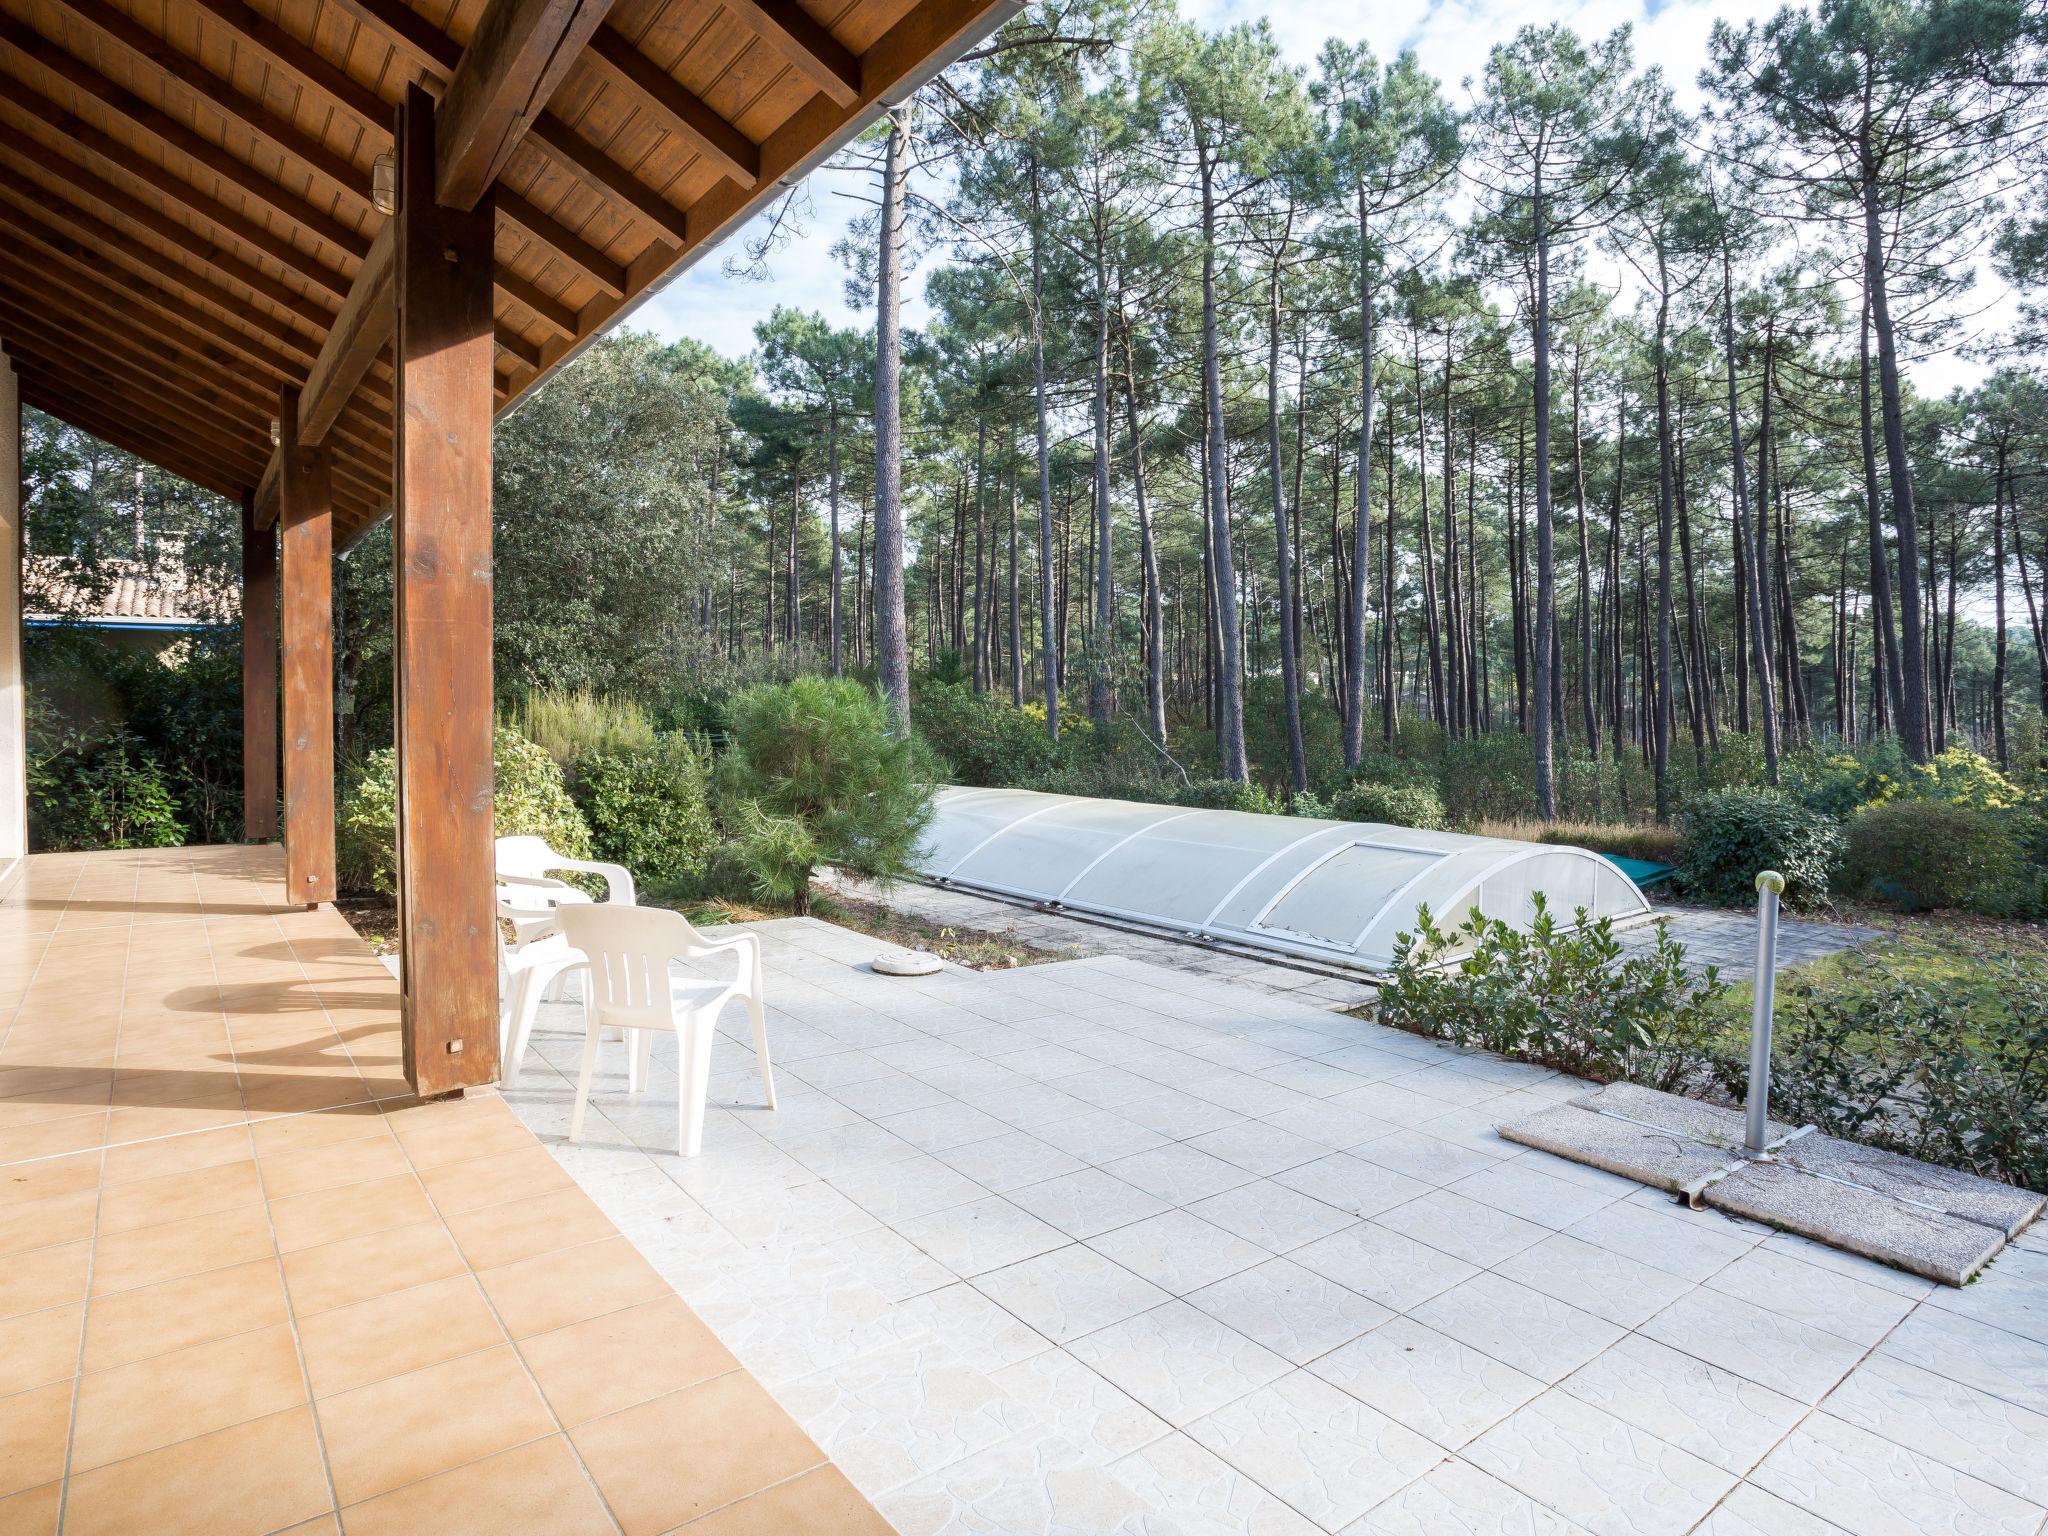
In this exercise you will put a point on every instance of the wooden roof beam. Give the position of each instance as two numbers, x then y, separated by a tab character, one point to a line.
122	357
303	63
177	419
239	174
77	136
566	243
512	64
63	397
735	155
817	55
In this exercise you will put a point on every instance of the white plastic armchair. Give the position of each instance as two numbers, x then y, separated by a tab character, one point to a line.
531	970
529	892
630	987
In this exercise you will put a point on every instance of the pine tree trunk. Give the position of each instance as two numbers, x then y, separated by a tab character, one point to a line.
892	631
1290	662
1751	596
1223	579
1048	641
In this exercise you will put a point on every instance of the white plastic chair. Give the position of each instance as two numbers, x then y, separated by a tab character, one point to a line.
630	950
527	868
531	970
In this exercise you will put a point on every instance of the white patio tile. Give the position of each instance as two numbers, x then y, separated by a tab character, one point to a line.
1749	1511
1516	1325
1522	1189
2012	1294
1991	1360
1870	1272
892	1416
1972	1431
1871	1486
1351	1184
950	1123
1080	1406
1069	1292
1614	1479
1389	1102
1272	1215
1476	1233
792	1213
1294	1312
1021	1487
1193	1492
983	1235
1088	1202
1176	1115
980	1332
1009	1161
1456	1497
1097	1136
1454	1083
1690	1244
1028	1108
1394	1270
1773	1351
1178	1252
1321	1450
906	1188
1594	1279
1716	1415
1178	1361
1425	1158
1333	1122
1428	1380
1178	1174
1259	1147
1807	1293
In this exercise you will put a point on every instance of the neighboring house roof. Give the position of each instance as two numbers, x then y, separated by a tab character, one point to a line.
136	596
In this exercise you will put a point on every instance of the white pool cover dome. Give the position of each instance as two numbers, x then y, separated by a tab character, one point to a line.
1333	891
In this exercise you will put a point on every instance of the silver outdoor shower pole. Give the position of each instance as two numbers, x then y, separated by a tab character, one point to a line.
1769	886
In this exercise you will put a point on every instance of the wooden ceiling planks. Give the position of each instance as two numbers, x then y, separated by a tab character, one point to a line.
185	185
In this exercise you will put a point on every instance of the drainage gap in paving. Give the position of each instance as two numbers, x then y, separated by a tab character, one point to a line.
1929	1221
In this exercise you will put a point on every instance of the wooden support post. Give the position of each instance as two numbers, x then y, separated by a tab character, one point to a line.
259	677
306	537
441	632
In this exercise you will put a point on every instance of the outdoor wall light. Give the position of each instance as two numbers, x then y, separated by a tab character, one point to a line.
384	183
276	433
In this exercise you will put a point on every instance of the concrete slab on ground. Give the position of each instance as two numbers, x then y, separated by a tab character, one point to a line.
1935	1222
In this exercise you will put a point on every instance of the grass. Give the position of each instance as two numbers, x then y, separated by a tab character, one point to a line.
977	949
1627	840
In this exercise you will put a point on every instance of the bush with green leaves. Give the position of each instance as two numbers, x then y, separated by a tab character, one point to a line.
1562	995
1728	835
530	801
1397	805
982	740
100	791
1955	1077
815	773
1922	854
649	807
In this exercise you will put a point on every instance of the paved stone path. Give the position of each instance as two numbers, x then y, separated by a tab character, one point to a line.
1723	939
1108	1247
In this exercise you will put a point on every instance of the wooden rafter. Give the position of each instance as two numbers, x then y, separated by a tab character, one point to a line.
816	54
509	69
732	152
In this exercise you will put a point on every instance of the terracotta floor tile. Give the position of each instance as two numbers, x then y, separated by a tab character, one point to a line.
519	1229
597	1367
354	1346
337	1274
329	1215
36	1109
44	1277
821	1500
324	1128
551	1291
738	1439
33	1426
52	1138
239	1481
536	1487
504	1176
40	1223
38	1348
31	1513
156	1402
196	1309
274	1094
227	1142
176	1196
313	1169
430	1148
125	1261
396	1432
23	1183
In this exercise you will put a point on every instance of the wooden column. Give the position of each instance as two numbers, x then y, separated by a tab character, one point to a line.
306	523
441	632
259	677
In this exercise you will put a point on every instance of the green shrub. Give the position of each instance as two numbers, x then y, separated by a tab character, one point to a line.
814	774
1399	805
982	740
1490	776
1923	854
530	800
1560	996
1728	835
103	792
1960	1080
649	807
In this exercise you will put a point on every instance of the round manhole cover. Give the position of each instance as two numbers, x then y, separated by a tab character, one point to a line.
908	962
